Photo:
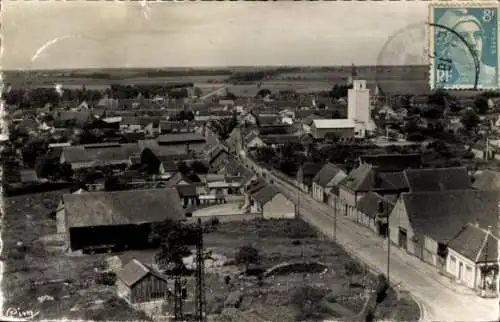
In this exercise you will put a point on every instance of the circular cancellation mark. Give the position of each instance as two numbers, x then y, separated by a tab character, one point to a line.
409	46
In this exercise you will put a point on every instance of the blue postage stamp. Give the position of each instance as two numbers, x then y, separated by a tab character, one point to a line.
463	46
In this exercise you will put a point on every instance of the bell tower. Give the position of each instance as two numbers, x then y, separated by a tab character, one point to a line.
353	75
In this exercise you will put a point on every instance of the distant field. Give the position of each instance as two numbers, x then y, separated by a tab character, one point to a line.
411	79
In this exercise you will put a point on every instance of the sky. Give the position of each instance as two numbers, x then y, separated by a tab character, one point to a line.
60	35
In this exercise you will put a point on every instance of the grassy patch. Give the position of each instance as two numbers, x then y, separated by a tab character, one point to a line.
68	283
280	241
397	308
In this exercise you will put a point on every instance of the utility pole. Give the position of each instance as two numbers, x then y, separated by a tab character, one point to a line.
200	277
335	219
388	242
178	314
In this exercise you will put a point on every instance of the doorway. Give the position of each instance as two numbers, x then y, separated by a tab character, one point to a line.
403	238
460	271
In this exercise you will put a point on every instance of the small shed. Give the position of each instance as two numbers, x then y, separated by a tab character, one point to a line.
139	283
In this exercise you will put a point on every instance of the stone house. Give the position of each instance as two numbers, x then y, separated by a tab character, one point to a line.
325	180
423	223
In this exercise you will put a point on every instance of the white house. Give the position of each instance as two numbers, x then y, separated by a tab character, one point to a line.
470	255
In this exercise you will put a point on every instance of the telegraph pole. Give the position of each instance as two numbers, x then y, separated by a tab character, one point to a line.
200	277
388	242
335	219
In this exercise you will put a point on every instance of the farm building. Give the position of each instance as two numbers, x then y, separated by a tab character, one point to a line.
138	283
342	128
109	219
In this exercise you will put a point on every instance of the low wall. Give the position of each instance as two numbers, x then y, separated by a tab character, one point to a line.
226	217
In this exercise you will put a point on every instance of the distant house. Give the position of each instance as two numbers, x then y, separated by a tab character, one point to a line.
487	180
307	122
139	123
174	127
98	155
268	119
218	156
108	219
423	223
139	283
176	144
168	168
253	140
342	128
469	254
367	178
271	203
437	179
326	179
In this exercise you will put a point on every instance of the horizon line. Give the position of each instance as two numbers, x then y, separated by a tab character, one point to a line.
204	67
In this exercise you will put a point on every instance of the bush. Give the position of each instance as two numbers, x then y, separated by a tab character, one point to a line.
247	255
382	287
214	221
106	278
370	316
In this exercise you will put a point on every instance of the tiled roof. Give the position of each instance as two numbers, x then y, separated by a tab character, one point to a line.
369	204
392	181
135	271
437	179
441	215
122	207
179	138
487	180
265	194
100	154
327	173
475	243
359	179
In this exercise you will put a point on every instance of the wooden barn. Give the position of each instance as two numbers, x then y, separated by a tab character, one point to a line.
139	283
117	219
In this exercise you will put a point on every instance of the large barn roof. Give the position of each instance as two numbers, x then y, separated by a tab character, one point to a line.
122	207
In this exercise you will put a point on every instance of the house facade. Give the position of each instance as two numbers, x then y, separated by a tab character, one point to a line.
326	179
271	203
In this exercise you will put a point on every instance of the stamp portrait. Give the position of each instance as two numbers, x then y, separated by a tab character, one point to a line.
463	46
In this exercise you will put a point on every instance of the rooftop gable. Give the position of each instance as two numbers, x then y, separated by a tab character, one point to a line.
437	179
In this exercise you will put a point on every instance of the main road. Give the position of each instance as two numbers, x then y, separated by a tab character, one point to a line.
440	299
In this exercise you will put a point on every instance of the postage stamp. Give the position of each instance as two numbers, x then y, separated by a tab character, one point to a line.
463	46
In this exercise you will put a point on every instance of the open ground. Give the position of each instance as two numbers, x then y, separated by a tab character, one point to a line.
40	276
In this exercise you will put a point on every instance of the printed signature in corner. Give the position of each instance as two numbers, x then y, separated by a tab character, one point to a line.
18	313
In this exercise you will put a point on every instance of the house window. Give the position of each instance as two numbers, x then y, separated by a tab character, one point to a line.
453	259
468	268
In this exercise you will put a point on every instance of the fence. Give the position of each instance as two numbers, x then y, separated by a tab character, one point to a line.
227	217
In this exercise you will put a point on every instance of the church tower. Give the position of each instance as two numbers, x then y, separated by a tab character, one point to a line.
353	75
358	107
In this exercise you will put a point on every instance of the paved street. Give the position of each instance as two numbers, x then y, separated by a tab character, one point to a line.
441	299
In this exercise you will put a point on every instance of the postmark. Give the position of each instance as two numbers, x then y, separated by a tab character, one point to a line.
463	46
402	54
